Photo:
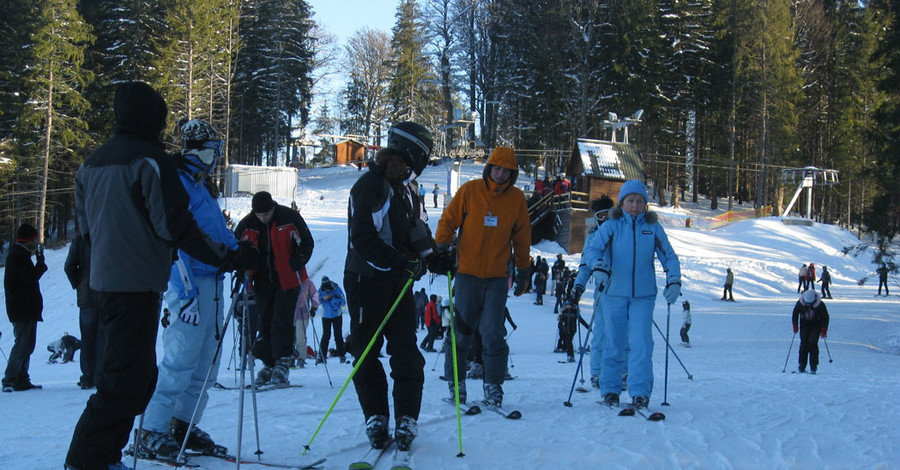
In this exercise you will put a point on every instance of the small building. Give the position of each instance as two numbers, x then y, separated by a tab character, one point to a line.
349	151
596	167
281	182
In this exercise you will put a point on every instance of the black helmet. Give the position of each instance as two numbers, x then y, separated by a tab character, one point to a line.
413	141
686	304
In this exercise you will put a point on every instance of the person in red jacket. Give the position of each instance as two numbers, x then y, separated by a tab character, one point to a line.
433	323
285	245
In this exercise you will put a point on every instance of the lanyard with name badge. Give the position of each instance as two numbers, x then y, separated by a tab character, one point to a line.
490	220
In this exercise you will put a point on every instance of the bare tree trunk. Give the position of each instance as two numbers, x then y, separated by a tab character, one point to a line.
43	206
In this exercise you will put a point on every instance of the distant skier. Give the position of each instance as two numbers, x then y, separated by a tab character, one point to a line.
825	279
331	297
882	279
569	318
685	323
801	278
729	281
812	316
810	277
64	348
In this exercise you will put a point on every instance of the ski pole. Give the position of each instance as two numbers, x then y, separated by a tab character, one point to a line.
509	356
359	362
568	402
455	363
689	376
827	350
436	357
321	353
580	343
665	401
789	353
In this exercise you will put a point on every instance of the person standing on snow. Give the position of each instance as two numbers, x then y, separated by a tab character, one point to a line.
601	209
810	318
24	305
491	215
433	321
623	267
307	303
93	339
194	294
286	245
729	281
801	277
882	279
387	241
133	209
685	324
810	277
332	299
825	279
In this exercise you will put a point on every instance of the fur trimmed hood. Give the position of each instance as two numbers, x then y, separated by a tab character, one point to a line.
649	216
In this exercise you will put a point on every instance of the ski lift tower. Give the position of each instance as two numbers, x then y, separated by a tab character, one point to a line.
806	178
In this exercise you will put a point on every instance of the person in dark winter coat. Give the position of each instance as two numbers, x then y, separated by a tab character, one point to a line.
331	298
540	281
421	299
24	305
65	348
729	281
685	324
133	210
387	241
810	277
569	318
286	245
810	318
883	279
825	279
555	272
93	339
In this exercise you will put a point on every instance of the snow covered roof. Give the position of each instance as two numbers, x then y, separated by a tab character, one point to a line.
616	161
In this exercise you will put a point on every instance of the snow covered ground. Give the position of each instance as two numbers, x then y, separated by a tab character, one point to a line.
739	411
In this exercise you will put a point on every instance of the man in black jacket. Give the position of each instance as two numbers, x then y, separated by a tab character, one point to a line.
388	239
285	244
133	210
78	270
812	316
24	305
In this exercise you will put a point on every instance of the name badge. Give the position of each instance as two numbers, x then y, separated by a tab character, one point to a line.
490	220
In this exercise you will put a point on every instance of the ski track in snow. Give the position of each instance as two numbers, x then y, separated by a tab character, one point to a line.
739	412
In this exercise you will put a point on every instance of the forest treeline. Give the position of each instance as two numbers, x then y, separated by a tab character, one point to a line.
732	91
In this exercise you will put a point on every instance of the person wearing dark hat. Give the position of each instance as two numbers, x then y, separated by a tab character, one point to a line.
283	238
729	281
810	319
601	207
623	268
134	212
825	279
490	215
24	305
331	297
388	240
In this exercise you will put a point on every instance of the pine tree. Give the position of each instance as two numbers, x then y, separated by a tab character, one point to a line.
410	62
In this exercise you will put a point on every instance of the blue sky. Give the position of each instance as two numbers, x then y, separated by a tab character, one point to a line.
344	17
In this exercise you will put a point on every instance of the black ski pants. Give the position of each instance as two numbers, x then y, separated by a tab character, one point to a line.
684	333
93	340
809	346
335	324
25	333
369	300
275	309
127	379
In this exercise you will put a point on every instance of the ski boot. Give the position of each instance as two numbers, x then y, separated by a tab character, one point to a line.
611	400
462	392
377	431
595	381
280	372
493	395
640	402
405	432
263	376
199	440
157	445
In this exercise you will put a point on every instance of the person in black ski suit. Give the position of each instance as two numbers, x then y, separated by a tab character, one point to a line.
812	316
825	279
24	305
133	210
569	318
78	271
387	241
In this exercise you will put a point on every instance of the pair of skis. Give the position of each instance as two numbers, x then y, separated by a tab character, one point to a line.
478	405
630	410
369	459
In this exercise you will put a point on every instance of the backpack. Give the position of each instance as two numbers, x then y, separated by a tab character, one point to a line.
568	318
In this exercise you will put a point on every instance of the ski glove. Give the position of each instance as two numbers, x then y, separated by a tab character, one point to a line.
440	262
190	312
521	282
245	257
672	292
824	333
600	273
312	311
576	293
415	268
296	261
795	328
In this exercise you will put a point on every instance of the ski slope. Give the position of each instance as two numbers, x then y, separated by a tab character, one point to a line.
740	411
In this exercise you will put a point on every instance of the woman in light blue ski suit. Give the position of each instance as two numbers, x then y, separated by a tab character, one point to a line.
621	253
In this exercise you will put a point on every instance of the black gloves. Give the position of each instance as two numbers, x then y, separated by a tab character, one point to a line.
576	293
441	262
415	268
245	257
312	311
296	261
521	282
